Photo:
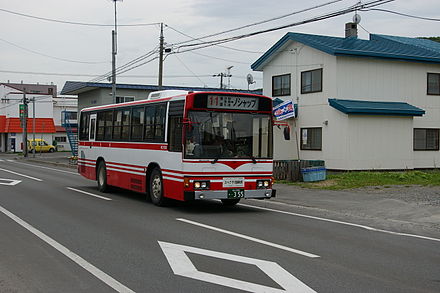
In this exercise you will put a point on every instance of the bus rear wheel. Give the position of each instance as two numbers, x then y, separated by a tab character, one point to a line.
230	202
156	188
102	177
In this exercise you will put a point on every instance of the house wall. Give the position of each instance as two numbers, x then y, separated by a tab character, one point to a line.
353	142
102	96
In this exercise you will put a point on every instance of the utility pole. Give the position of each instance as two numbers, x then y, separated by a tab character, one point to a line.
33	124
24	124
161	48
221	74
114	52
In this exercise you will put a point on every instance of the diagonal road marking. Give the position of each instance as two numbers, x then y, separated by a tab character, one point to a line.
300	252
89	193
107	279
22	175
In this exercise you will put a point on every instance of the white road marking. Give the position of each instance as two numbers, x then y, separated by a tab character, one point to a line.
88	193
22	175
48	168
1	160
9	182
11	160
73	256
250	238
343	223
182	266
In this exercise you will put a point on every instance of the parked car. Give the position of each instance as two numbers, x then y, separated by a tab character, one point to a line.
40	145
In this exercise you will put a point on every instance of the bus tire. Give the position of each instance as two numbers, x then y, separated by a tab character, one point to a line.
156	188
51	150
101	177
230	201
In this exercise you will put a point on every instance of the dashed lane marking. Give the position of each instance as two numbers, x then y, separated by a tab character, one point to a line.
89	193
303	253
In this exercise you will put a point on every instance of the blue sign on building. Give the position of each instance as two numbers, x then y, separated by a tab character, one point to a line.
284	110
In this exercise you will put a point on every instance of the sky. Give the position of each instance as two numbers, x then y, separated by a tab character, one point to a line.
45	52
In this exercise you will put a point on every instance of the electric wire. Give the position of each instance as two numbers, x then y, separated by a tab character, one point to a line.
358	6
51	57
401	14
75	23
187	68
265	21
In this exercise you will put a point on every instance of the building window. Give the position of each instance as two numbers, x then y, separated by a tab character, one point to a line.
426	139
311	81
281	85
124	99
433	84
311	138
60	139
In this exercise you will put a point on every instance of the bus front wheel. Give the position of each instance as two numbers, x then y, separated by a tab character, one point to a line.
102	177
156	188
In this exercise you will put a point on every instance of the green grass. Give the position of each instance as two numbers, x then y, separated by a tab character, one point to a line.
348	180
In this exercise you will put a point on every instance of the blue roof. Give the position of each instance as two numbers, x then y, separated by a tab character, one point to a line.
378	46
77	87
375	108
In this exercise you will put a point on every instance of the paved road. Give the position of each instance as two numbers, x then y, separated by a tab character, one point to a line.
56	239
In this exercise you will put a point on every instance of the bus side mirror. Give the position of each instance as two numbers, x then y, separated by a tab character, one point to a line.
287	133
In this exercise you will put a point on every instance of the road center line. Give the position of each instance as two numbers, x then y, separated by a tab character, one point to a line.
22	175
88	193
73	256
342	223
48	168
249	238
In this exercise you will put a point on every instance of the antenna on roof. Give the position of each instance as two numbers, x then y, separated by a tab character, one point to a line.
250	79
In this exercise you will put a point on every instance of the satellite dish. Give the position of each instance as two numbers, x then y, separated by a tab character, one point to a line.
356	18
250	79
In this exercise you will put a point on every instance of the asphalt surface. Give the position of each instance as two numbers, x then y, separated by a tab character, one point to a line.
55	239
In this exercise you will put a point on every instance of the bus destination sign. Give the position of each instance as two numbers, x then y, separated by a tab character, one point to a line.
232	102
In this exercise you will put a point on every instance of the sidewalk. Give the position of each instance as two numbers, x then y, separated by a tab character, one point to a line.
410	209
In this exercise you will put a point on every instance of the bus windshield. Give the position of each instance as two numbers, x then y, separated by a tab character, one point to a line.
216	135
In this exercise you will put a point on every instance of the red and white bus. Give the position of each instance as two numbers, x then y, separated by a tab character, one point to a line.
181	145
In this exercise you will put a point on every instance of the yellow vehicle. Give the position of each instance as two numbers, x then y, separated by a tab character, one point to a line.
40	145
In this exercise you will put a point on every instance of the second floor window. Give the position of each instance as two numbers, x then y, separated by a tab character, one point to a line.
311	81
281	85
433	84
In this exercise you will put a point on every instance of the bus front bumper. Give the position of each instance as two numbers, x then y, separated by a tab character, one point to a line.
223	194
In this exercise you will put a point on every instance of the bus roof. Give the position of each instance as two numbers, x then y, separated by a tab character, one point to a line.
161	96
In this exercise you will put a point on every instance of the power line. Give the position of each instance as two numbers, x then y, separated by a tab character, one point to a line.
225	47
265	21
187	68
358	6
75	23
48	56
402	14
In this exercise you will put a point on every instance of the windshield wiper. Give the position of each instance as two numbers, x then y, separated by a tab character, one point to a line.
216	159
253	160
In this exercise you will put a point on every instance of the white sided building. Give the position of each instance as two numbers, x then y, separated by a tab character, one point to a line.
11	132
361	104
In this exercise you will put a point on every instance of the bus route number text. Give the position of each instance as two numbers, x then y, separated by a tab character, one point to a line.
231	102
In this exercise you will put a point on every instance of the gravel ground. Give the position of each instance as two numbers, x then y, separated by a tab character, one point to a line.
420	195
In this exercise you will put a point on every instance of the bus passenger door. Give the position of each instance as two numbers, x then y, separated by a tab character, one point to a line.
92	132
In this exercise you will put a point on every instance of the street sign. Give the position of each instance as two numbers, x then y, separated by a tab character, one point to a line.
22	110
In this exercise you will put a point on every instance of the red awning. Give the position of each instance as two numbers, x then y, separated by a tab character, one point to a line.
13	125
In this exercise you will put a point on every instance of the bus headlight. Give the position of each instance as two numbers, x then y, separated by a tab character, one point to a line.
201	184
266	183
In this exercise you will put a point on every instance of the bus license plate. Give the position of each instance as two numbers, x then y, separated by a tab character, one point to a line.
235	193
233	182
